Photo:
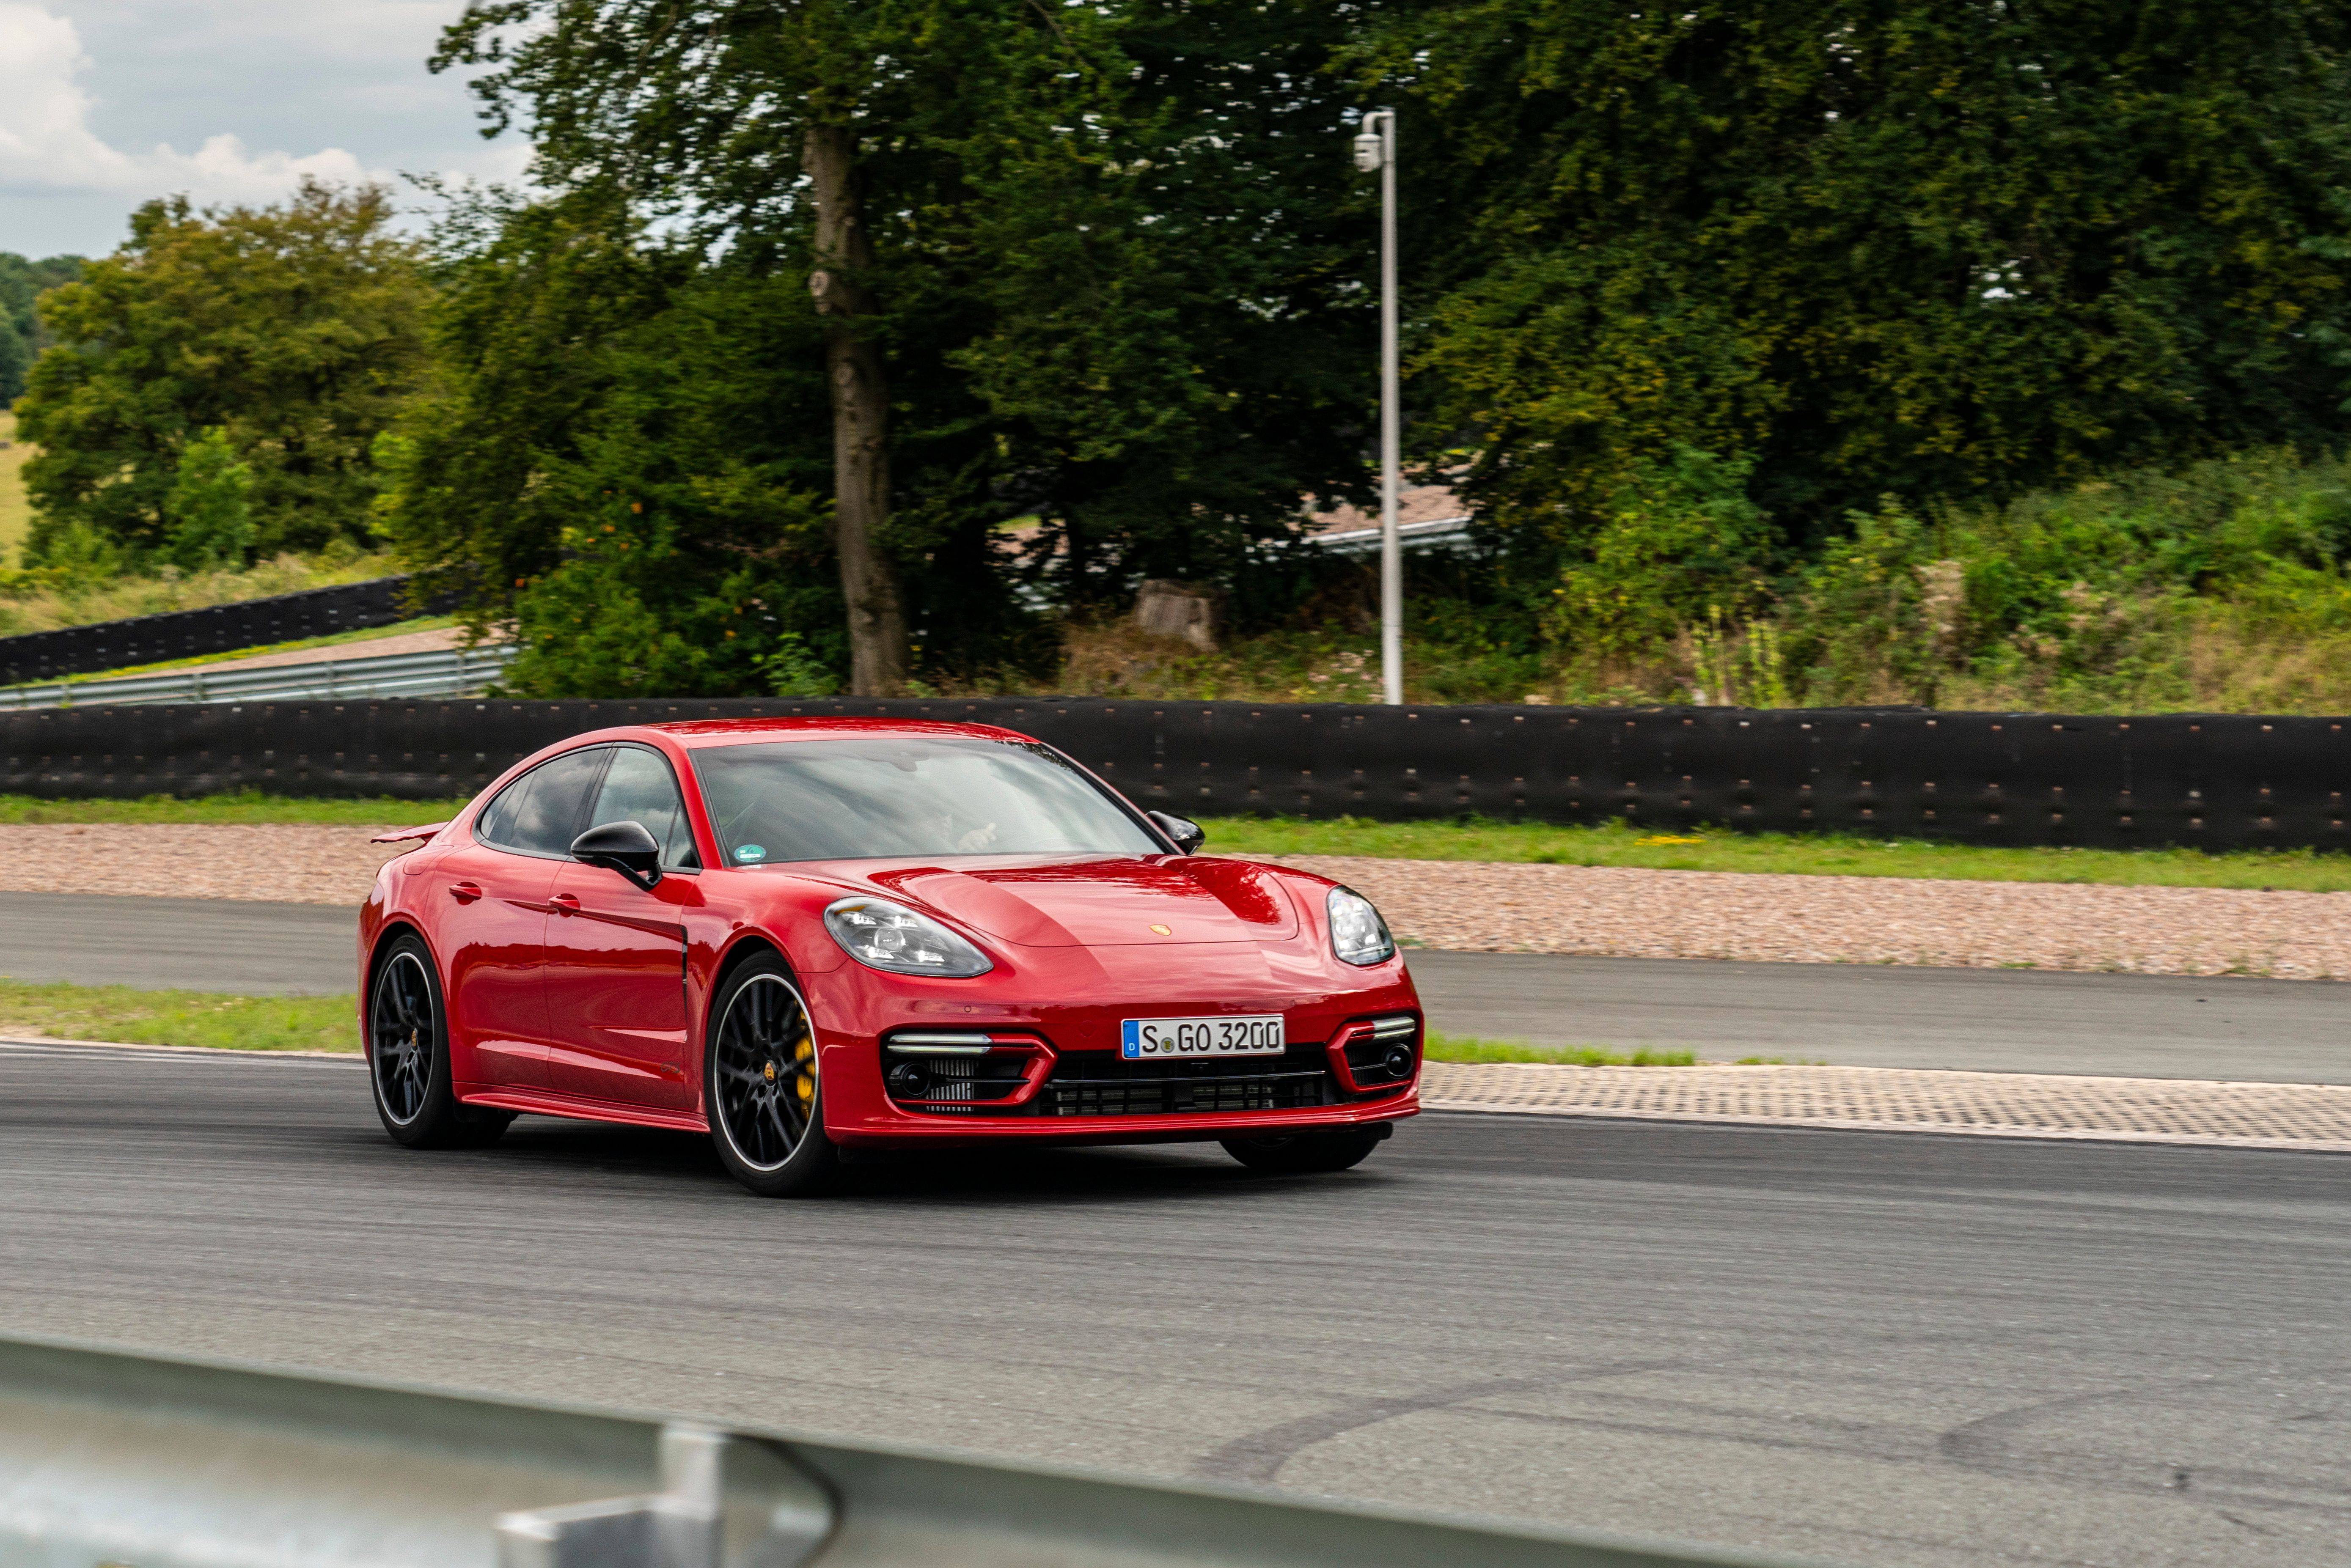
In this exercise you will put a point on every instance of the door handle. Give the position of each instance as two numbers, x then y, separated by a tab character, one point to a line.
464	892
565	904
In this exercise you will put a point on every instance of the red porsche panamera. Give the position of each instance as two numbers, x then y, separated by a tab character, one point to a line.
807	936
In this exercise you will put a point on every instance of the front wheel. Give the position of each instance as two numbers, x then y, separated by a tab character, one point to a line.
1308	1153
759	1081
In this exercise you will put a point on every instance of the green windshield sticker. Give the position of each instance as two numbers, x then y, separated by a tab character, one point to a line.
751	852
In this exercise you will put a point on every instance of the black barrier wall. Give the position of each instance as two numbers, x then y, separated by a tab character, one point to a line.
190	634
2216	781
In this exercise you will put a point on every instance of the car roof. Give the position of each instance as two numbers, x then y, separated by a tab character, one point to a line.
704	732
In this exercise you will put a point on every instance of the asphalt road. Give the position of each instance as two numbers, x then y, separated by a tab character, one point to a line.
1851	1015
198	944
1892	1349
1992	1020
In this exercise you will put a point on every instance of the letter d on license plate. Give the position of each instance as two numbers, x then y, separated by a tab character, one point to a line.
1201	1037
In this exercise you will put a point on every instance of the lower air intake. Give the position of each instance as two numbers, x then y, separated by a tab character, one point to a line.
1103	1085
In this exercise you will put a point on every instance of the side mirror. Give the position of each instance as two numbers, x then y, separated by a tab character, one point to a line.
1187	833
623	847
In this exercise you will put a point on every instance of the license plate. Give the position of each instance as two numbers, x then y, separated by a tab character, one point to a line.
1154	1038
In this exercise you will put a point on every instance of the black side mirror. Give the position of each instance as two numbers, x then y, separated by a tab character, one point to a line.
623	847
1188	834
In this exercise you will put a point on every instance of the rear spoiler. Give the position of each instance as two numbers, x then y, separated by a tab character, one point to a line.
403	835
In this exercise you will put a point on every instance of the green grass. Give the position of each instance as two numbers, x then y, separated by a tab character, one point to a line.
1439	1047
382	812
2303	870
179	1018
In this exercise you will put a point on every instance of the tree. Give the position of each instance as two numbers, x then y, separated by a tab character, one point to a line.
1058	261
210	511
295	329
1936	248
22	282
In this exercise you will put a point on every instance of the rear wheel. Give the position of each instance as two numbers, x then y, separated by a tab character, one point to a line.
408	1057
760	1083
1306	1153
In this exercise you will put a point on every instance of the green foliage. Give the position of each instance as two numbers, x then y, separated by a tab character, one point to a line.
622	461
209	513
1949	252
22	283
295	329
1679	540
1108	268
2221	586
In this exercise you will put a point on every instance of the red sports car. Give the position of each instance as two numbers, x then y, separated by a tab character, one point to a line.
807	936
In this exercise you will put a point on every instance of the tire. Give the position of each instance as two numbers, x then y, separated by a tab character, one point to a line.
408	1057
760	1085
1308	1153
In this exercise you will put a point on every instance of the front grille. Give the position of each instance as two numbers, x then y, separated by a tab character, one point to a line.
1099	1084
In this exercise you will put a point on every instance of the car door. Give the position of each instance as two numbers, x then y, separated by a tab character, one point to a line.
616	952
493	939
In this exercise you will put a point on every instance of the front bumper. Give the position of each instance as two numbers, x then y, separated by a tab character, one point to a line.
1031	1053
1017	1086
904	1130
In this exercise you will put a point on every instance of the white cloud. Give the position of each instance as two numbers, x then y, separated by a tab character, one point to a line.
47	145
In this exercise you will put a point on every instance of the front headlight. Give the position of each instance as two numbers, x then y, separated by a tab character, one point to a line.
887	937
1358	934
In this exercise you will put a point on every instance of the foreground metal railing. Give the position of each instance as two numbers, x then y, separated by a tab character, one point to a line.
147	1462
444	673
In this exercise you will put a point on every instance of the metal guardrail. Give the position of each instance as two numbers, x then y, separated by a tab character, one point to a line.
108	1458
446	672
1446	532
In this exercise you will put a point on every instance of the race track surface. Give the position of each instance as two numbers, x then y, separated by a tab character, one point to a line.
1983	1020
1994	1020
1887	1348
196	943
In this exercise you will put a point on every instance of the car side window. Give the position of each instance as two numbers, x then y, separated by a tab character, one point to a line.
540	813
640	788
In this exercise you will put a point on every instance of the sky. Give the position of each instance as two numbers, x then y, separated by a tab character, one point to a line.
105	104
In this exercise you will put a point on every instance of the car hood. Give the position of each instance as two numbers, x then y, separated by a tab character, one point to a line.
1103	903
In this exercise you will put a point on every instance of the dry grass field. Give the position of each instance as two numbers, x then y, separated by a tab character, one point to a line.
16	512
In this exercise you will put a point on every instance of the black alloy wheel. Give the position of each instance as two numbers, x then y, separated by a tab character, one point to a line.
408	1057
402	1024
761	1081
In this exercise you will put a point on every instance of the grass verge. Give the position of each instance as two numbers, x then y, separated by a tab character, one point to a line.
381	812
2301	871
179	1018
1440	1047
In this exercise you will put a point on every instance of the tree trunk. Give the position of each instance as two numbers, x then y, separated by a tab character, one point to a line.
861	418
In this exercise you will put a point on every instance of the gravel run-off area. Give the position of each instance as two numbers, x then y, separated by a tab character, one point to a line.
1496	908
1469	905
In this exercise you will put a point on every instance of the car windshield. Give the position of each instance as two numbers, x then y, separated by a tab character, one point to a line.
866	799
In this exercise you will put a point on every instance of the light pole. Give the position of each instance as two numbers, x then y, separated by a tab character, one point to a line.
1376	148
